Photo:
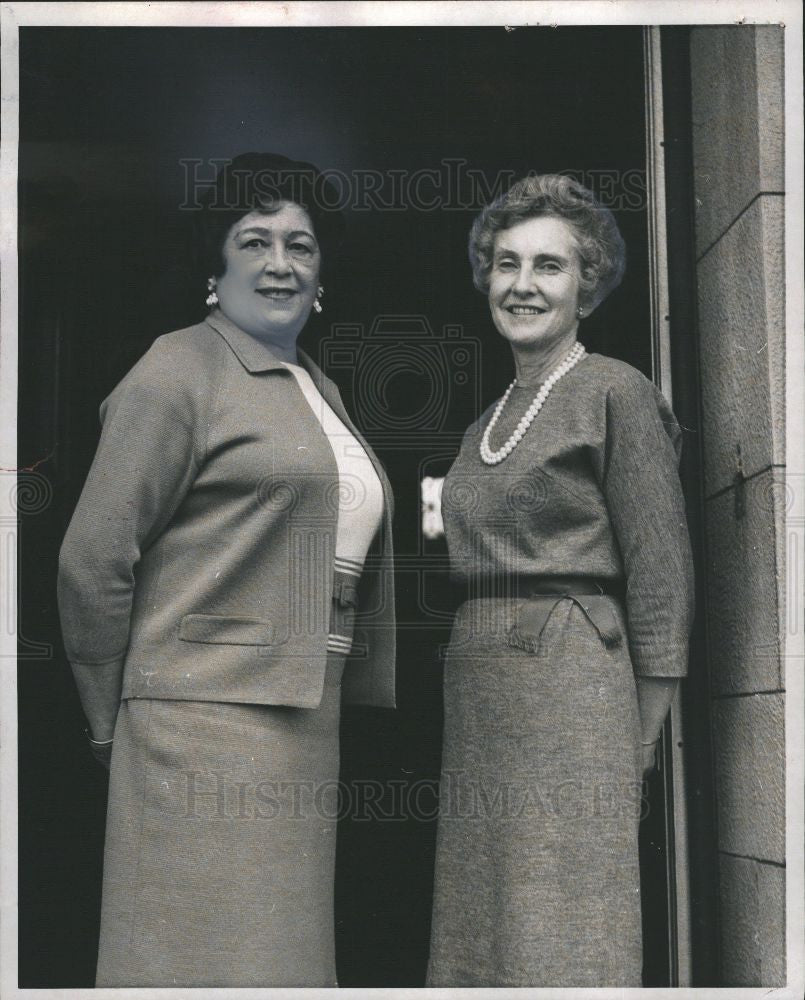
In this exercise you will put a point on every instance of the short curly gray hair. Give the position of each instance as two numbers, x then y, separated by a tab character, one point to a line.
601	247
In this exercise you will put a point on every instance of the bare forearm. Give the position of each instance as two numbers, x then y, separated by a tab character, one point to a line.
654	697
99	687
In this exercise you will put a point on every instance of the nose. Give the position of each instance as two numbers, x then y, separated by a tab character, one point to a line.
277	260
524	283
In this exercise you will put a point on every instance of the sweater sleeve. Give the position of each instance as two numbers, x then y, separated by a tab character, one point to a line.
146	461
647	509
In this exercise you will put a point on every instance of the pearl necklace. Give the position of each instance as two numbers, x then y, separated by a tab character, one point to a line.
493	457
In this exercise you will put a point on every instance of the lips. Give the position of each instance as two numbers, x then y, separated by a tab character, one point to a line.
279	294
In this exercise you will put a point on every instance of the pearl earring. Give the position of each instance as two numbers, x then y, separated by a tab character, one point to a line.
316	302
580	312
212	298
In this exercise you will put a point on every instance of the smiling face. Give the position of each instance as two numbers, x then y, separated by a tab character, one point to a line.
534	283
272	272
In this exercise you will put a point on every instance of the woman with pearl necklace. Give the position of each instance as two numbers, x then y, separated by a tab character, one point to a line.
565	522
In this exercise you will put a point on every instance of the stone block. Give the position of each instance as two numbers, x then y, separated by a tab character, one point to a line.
749	737
771	920
741	301
746	585
773	242
770	76
752	904
738	906
737	104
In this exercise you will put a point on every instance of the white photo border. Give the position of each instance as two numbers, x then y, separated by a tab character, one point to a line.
458	13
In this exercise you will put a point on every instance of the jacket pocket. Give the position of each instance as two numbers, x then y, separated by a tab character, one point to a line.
225	630
533	614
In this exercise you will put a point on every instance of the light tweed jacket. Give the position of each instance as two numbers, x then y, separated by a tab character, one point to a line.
200	556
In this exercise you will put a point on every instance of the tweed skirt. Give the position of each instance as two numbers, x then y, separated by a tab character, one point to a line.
219	861
537	880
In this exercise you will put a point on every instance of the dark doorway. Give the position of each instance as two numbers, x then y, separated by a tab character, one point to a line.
422	126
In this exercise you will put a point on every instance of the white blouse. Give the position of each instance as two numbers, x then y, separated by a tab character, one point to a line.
360	493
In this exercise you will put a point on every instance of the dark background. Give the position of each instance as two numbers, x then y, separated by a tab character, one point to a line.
106	118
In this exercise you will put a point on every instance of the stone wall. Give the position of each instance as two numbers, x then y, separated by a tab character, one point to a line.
737	125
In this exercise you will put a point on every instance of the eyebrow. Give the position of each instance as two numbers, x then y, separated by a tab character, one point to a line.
265	231
503	251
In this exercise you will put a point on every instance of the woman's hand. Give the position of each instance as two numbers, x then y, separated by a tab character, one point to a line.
649	758
99	687
654	697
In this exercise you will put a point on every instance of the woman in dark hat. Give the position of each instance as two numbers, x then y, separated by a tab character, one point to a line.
209	586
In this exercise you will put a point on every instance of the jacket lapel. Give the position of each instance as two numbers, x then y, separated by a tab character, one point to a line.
253	355
257	357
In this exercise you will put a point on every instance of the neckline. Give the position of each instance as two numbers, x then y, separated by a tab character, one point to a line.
535	388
